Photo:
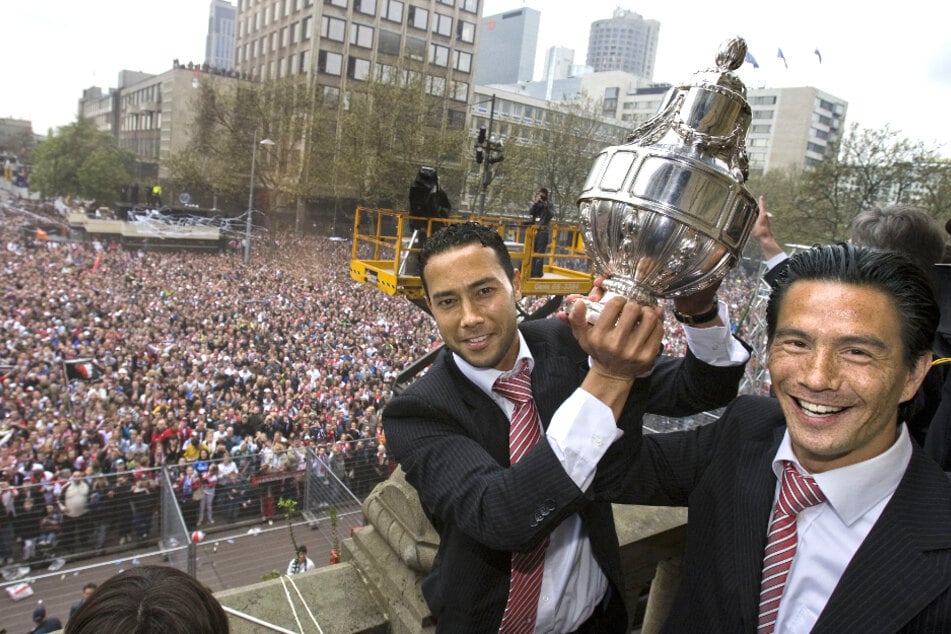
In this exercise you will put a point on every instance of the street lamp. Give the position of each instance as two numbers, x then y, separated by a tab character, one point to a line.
247	221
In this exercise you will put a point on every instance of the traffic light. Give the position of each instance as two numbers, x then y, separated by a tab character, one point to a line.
480	145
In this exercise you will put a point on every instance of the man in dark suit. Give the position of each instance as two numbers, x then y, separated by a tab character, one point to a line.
850	332
451	432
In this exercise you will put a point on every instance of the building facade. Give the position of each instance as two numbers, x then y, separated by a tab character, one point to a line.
507	44
219	43
341	43
625	42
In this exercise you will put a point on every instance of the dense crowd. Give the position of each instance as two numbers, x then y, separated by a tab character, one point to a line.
207	366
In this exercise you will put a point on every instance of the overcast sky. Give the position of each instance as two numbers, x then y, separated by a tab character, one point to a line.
891	63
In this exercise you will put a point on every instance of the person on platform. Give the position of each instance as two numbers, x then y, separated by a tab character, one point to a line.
527	537
814	511
88	591
427	200
541	214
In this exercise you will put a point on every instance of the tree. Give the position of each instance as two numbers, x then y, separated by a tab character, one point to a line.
871	168
557	154
82	161
390	128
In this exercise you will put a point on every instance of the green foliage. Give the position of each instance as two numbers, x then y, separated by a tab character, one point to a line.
289	506
872	168
557	154
80	160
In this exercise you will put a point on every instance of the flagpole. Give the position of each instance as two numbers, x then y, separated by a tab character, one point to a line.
69	400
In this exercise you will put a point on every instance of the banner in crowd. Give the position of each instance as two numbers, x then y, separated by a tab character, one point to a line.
83	370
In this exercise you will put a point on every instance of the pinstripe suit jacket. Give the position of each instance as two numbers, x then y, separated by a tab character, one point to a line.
452	441
898	580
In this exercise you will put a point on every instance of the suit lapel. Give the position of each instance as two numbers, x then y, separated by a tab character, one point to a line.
903	564
753	503
486	422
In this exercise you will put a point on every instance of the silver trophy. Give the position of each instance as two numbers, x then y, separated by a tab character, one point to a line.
667	214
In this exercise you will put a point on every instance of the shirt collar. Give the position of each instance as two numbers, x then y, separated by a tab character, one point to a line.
485	378
853	490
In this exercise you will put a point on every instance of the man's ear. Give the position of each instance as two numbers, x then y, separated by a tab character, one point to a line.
517	284
916	377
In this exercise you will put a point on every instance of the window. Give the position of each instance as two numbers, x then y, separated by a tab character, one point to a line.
273	41
389	42
304	62
392	10
331	96
763	100
459	90
762	114
443	24
295	32
448	3
472	6
462	61
465	31
361	35
337	3
332	28
418	18
455	119
329	63
358	68
366	7
284	37
439	55
761	129
415	48
307	28
436	85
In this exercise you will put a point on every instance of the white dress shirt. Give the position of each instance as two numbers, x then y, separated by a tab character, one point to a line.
580	432
830	533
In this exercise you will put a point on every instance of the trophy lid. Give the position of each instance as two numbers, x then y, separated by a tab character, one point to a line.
729	58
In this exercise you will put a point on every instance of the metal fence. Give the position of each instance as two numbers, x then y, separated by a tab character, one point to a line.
49	549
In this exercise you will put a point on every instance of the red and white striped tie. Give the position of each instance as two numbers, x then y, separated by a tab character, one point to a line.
527	568
797	492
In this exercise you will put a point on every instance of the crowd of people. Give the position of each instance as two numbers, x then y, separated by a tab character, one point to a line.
217	370
196	357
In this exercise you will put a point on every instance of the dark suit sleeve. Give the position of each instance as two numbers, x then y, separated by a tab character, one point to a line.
457	459
686	385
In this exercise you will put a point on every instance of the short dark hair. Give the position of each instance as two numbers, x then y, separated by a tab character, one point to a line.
889	272
904	228
150	600
462	234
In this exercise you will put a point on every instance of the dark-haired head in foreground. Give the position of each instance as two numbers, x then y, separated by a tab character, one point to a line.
150	600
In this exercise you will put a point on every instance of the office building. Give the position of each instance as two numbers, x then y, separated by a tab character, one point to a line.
219	43
559	63
507	44
342	44
625	42
791	127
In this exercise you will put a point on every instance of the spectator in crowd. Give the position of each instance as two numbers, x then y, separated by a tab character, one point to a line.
150	600
88	591
42	624
301	562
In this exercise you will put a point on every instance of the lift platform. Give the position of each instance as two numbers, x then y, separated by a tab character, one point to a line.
385	249
384	256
